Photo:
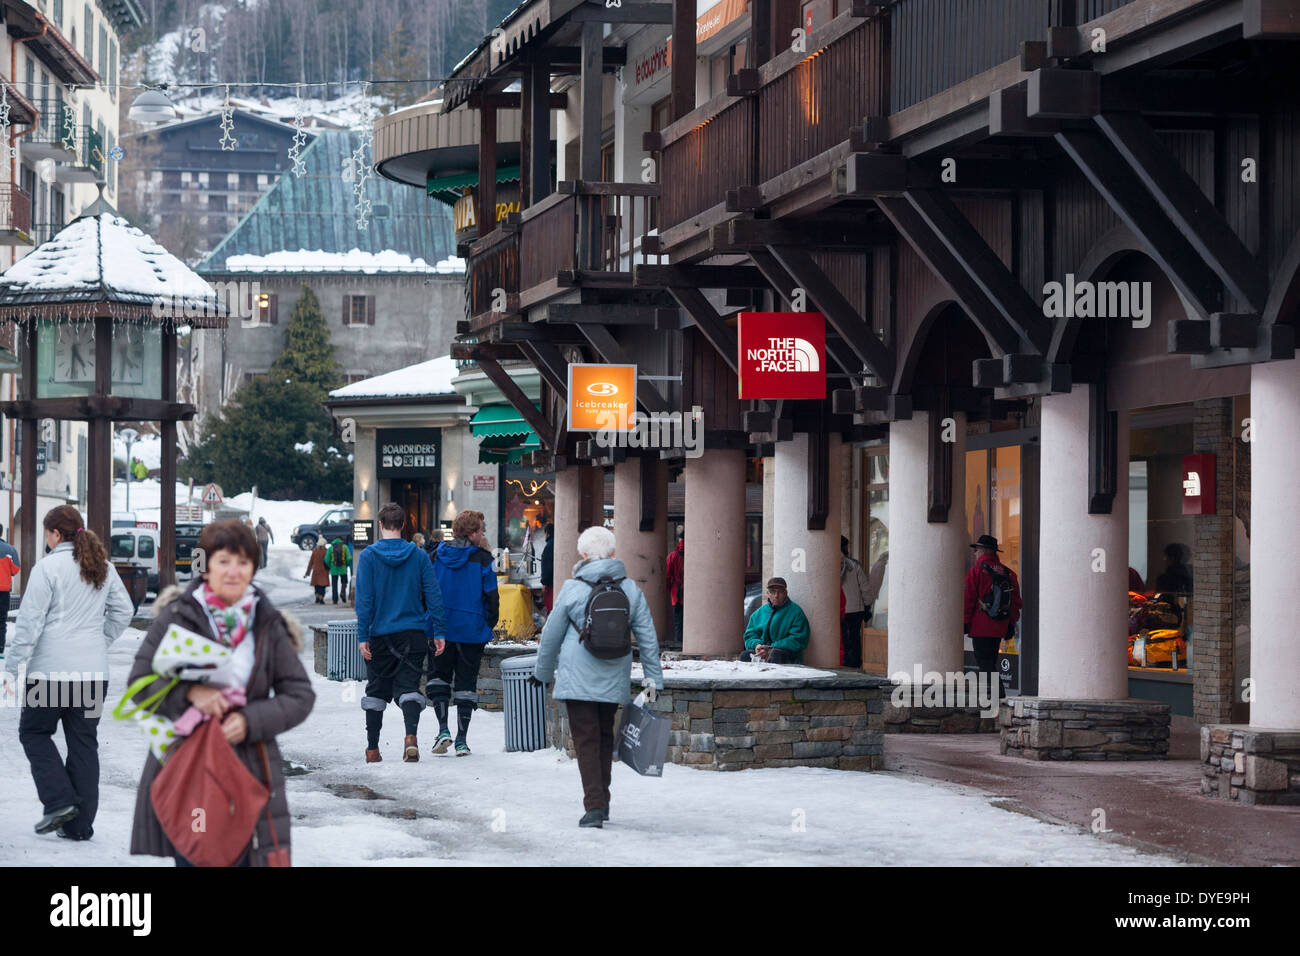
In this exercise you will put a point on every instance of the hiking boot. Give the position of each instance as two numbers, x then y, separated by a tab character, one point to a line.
442	743
605	811
56	818
410	749
373	756
593	818
462	749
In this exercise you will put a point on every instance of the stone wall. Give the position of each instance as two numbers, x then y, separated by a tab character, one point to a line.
1251	766
1040	728
832	722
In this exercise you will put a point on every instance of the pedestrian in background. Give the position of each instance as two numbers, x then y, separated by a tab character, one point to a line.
592	688
317	570
264	539
468	583
676	574
548	569
399	611
855	590
9	569
992	606
74	606
339	561
225	607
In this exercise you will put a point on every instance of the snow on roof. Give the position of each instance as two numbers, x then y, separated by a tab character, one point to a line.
103	253
317	260
427	378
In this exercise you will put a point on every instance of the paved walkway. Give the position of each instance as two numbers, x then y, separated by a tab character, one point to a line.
1150	804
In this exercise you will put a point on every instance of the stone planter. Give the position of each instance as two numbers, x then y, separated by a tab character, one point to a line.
1041	728
1251	765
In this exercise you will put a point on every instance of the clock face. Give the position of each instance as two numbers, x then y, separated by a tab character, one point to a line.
128	355
74	355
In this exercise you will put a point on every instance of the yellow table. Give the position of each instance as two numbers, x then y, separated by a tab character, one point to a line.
516	613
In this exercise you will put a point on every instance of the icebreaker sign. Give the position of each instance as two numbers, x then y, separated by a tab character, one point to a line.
601	397
782	355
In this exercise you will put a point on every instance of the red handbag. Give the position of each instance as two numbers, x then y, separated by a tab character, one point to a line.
207	801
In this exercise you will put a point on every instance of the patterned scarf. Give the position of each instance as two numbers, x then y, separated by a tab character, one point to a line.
231	622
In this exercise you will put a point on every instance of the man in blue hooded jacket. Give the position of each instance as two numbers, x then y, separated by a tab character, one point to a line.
469	588
399	614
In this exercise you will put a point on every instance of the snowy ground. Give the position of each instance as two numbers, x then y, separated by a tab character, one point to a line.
498	808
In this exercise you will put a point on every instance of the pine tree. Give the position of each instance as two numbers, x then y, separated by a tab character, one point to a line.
308	356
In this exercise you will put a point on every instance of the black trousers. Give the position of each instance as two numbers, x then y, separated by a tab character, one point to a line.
851	638
986	659
320	593
395	666
335	585
591	724
4	618
779	655
74	781
678	613
456	668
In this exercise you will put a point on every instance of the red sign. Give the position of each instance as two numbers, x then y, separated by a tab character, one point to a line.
1198	485
153	525
782	355
485	483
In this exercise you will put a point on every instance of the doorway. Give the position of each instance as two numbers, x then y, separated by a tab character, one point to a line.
419	499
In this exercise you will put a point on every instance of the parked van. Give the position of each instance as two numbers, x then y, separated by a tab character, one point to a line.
135	548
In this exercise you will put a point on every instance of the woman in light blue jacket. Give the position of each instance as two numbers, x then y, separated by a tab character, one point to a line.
592	688
74	606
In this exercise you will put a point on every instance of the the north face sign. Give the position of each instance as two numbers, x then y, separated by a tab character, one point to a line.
782	355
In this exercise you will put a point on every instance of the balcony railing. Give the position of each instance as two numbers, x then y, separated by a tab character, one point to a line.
15	215
706	153
492	271
87	161
55	124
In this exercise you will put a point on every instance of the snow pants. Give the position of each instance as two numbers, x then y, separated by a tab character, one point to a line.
74	782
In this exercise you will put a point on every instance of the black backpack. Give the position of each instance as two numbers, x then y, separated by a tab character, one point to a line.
997	599
607	623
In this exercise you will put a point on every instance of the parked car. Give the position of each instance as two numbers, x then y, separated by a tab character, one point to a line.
187	539
135	548
753	598
335	523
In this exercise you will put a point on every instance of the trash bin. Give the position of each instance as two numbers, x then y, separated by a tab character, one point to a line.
136	581
344	657
524	704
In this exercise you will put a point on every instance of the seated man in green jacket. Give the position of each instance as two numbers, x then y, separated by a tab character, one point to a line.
777	631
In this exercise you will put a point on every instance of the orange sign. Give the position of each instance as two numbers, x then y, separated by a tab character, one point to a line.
601	397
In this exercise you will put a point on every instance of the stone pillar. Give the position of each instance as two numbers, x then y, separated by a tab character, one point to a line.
1082	610
1274	544
809	560
927	562
567	511
769	515
714	572
644	552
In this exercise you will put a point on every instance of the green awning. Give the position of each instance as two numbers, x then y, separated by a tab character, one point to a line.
503	434
448	188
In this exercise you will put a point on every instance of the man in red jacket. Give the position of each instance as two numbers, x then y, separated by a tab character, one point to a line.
676	584
992	605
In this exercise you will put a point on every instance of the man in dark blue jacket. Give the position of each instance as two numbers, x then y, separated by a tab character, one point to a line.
399	614
469	587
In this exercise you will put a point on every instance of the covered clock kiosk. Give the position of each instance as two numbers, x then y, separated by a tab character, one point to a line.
97	309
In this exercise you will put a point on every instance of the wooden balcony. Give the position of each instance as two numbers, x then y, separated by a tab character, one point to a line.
15	216
583	235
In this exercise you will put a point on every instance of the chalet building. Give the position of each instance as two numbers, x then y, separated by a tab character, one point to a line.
198	188
390	293
1055	248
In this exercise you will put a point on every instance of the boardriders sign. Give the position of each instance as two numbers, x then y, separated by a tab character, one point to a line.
782	355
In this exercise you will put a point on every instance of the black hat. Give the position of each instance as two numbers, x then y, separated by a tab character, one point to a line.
987	541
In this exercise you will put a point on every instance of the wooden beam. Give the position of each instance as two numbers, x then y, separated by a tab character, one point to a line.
589	144
719	335
612	57
516	101
936	254
648	481
1054	93
683	66
784	285
698	277
1186	205
815	233
571	313
840	313
983	265
520	401
1009	116
760	32
819	478
551	364
487	171
604	343
1164	242
167	515
658	13
1103	461
939	463
1270	18
538	157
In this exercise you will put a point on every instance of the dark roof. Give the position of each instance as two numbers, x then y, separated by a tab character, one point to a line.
317	211
214	119
125	14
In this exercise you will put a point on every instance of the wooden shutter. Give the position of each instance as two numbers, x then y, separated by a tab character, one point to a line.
347	309
370	310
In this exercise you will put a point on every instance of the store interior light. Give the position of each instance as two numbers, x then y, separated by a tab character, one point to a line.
151	107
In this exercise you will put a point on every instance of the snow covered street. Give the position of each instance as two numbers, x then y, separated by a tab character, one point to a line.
497	808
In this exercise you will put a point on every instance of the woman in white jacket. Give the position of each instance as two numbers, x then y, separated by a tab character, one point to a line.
74	605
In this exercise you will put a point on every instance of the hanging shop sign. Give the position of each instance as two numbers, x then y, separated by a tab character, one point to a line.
782	355
601	397
465	213
1198	484
408	452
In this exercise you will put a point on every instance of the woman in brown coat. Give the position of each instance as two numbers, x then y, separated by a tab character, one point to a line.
221	607
320	574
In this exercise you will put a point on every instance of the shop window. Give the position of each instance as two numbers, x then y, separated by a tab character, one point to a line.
1160	626
993	506
529	508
